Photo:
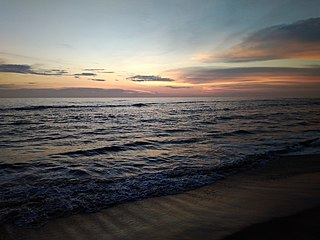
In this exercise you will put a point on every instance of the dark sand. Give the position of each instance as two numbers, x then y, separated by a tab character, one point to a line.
304	225
277	201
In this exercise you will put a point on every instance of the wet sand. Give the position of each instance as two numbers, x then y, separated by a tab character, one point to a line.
278	195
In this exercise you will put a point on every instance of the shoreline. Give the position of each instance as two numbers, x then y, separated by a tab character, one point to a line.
280	188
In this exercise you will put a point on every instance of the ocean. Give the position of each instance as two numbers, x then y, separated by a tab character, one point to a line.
59	157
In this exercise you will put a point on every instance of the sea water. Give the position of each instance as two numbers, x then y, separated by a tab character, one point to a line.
64	156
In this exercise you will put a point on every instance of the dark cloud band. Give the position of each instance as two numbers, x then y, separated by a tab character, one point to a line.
27	69
85	74
300	40
145	78
98	80
201	75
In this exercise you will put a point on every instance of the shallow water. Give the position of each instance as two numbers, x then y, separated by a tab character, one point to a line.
63	156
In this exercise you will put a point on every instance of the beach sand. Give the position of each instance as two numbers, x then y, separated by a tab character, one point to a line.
279	200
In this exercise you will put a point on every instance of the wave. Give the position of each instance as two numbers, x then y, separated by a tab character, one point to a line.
262	103
299	146
24	122
232	133
107	149
81	156
240	132
39	191
46	107
136	145
94	151
140	105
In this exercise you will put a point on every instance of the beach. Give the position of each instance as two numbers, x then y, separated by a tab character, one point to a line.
160	120
265	199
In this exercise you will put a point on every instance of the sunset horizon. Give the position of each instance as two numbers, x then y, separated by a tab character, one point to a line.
159	119
159	49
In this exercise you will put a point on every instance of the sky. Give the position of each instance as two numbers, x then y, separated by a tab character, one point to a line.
153	48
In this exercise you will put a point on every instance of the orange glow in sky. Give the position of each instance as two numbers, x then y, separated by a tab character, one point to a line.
160	48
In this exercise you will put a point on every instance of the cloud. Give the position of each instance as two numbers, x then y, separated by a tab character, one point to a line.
84	74
16	68
70	92
98	80
300	40
27	69
55	72
177	87
144	78
204	75
106	72
93	69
